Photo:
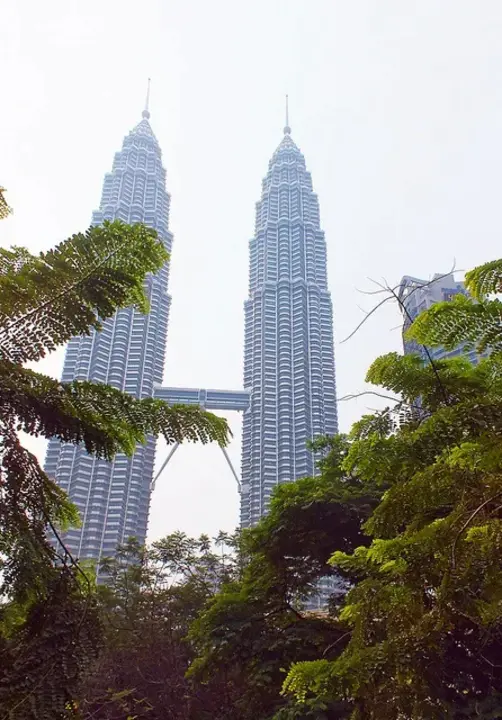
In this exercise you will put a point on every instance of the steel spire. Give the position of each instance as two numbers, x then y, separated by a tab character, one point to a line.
146	111
287	129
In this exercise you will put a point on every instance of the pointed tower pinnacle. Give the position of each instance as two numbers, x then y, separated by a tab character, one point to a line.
146	111
287	129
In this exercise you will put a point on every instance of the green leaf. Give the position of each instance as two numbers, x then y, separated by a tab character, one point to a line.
46	300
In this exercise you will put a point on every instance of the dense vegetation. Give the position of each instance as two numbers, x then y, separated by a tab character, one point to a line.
424	612
50	623
405	516
147	607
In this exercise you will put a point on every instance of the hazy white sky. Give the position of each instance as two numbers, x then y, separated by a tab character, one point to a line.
396	104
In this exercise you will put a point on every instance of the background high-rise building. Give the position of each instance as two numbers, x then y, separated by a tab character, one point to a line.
418	295
128	353
289	364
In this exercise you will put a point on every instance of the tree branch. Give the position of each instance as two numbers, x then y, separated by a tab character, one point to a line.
468	521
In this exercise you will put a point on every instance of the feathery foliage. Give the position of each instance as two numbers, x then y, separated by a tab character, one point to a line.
425	616
104	419
424	613
4	208
475	321
44	659
256	627
49	298
151	597
48	620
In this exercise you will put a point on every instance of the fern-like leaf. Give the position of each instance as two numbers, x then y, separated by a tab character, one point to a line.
5	210
462	320
485	280
46	300
104	419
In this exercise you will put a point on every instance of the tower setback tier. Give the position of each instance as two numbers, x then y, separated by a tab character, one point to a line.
113	498
289	365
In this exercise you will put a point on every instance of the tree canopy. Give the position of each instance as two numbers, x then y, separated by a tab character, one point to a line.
257	626
48	620
425	613
151	597
408	509
403	521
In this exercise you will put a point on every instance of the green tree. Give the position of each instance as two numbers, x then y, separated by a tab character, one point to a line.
44	301
151	598
419	633
425	613
256	626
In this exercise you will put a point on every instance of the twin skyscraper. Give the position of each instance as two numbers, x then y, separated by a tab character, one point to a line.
288	395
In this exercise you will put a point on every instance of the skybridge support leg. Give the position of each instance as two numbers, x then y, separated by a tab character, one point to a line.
227	458
173	450
164	464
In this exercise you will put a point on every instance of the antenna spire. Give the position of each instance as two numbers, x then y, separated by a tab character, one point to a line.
287	129
146	111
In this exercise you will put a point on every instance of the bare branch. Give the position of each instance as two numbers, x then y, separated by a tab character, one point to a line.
354	396
371	312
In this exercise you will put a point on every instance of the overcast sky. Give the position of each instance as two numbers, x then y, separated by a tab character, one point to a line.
396	104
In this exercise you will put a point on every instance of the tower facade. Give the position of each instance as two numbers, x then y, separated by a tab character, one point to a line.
128	353
289	365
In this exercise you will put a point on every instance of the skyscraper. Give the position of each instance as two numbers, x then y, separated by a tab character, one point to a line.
418	295
289	365
128	353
